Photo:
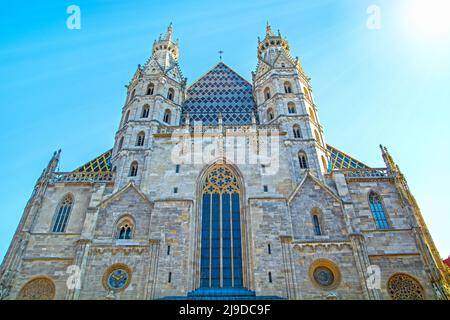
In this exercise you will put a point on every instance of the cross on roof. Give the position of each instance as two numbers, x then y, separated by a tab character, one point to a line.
220	55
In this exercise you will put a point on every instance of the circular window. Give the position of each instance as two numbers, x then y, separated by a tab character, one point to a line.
117	277
324	276
38	289
404	287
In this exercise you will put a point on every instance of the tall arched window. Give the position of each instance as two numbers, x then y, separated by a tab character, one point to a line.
324	164
302	160
316	134
140	139
133	93
267	93
296	131
376	206
167	115
125	229
145	111
270	114
150	89
120	144
62	214
134	169
171	94
291	108
287	87
311	114
127	117
306	92
221	246
316	224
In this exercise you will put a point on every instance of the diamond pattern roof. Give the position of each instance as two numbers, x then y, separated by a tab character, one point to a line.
221	90
100	164
340	160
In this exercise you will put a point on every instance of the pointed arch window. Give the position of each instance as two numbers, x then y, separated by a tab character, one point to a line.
127	117
316	224
221	246
291	108
302	160
171	94
140	139
267	94
379	215
145	111
120	144
62	214
324	164
150	89
125	230
132	95
134	169
317	135
296	131
306	92
311	114
167	116
287	87
270	114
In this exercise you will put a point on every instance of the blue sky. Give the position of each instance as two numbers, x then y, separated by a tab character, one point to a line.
63	88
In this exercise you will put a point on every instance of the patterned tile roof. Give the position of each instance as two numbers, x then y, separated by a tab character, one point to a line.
340	160
220	90
100	164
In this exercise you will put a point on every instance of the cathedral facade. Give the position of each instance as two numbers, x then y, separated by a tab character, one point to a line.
222	189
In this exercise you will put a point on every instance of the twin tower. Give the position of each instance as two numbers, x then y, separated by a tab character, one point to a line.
159	100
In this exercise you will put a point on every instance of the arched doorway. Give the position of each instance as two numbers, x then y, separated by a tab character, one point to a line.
221	252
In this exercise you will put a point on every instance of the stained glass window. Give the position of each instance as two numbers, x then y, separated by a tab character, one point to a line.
221	251
62	214
376	206
316	223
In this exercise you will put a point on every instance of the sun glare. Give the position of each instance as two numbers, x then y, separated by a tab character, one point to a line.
431	17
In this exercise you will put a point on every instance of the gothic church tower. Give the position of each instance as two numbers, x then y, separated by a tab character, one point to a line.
283	95
155	97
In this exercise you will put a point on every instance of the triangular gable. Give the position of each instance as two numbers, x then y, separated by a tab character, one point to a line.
318	182
129	186
221	91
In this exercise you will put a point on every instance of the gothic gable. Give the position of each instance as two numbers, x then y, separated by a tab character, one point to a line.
310	198
129	203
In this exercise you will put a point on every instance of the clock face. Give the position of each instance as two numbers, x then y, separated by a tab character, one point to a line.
118	279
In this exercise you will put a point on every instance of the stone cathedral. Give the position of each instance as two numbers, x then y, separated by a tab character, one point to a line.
222	189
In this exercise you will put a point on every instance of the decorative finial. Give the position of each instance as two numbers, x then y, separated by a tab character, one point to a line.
220	55
169	32
268	28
